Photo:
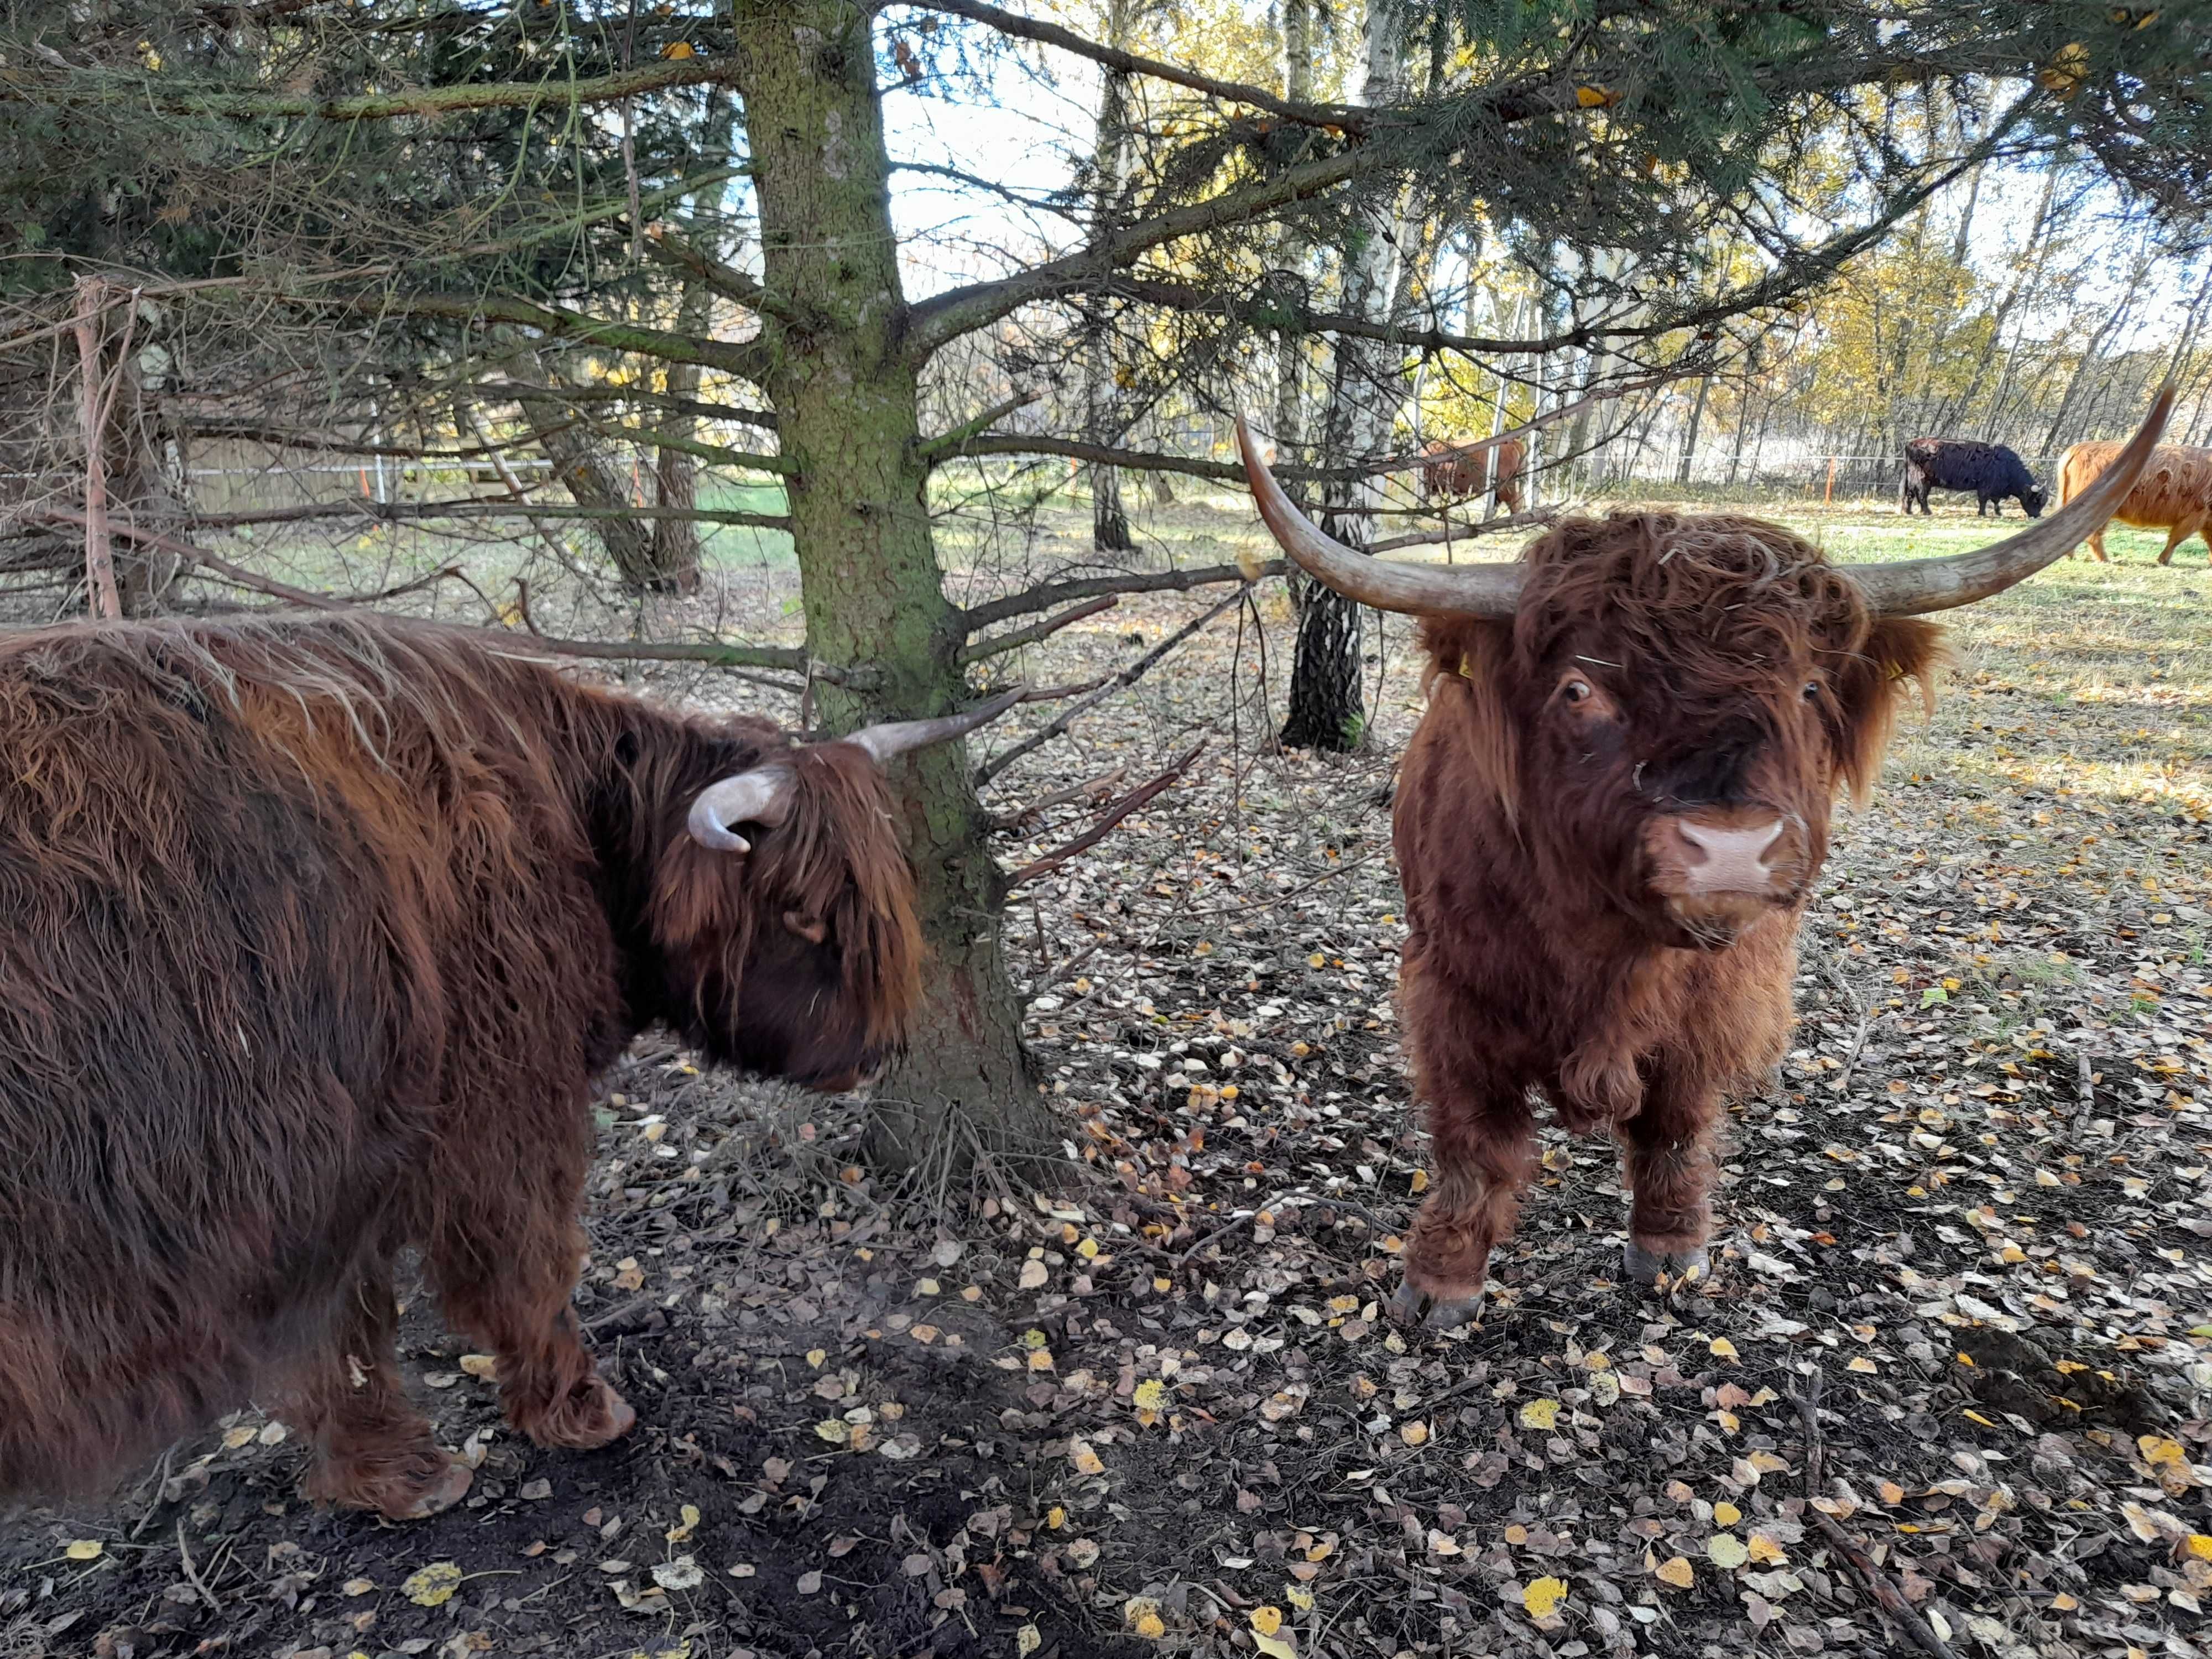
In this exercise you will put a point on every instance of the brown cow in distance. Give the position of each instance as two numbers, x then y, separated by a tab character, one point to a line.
1462	470
2174	495
315	936
1608	825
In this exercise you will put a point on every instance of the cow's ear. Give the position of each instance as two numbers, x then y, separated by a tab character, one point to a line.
1900	654
1474	661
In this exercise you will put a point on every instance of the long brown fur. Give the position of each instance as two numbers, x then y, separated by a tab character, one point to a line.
316	934
1461	470
1536	959
2174	495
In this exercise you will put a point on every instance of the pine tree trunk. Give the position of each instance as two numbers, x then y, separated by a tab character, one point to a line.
844	389
675	548
593	481
1325	710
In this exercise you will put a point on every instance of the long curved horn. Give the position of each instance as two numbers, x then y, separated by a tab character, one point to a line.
1467	590
761	796
1912	588
896	737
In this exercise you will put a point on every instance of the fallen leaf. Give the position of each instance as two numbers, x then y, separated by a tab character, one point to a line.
1086	1461
1676	1570
1539	1413
1726	1551
1542	1597
434	1586
84	1549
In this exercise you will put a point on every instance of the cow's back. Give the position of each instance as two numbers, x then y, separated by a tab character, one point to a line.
261	896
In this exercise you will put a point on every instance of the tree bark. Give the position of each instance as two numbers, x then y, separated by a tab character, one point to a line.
1290	349
675	542
1325	709
1109	519
844	389
593	480
1690	437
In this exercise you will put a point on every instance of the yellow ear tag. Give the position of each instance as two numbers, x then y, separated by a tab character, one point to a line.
1463	674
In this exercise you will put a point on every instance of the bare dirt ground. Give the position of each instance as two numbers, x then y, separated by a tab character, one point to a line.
1946	1390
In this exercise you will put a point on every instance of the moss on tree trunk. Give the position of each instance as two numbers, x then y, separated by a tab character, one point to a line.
844	381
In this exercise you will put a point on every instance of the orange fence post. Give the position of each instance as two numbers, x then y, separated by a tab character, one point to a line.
1830	496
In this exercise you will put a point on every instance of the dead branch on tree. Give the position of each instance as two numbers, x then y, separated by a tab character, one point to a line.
1090	786
1113	815
1128	677
1035	631
976	618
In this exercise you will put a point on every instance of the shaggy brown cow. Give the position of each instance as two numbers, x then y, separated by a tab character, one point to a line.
2174	495
1608	824
316	934
1462	470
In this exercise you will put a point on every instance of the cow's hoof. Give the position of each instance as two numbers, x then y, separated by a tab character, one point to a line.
1680	1267
1439	1311
594	1415
418	1500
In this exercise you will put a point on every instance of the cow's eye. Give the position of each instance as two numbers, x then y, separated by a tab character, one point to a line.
1575	691
1812	690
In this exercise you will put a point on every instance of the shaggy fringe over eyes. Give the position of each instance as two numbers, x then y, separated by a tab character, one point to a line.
1720	606
836	859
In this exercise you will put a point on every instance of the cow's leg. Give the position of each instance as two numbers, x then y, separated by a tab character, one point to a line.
505	1255
1668	1162
2176	535
2097	544
1482	1144
372	1449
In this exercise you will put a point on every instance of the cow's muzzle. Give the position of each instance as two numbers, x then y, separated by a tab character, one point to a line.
1718	869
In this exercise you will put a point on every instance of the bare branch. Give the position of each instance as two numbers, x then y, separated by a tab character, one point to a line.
1098	831
239	576
1094	787
87	87
625	394
1035	631
1129	676
992	612
747	361
726	280
1464	532
1340	118
485	506
931	449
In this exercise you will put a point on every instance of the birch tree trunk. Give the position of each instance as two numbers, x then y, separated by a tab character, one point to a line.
1366	389
1297	257
1109	519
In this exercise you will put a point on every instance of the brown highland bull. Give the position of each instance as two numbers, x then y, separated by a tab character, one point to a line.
315	936
2174	495
1458	470
1608	825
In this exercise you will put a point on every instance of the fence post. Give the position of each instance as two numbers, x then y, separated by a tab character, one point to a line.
1830	496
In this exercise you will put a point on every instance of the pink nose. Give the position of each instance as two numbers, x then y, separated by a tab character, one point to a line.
1728	860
